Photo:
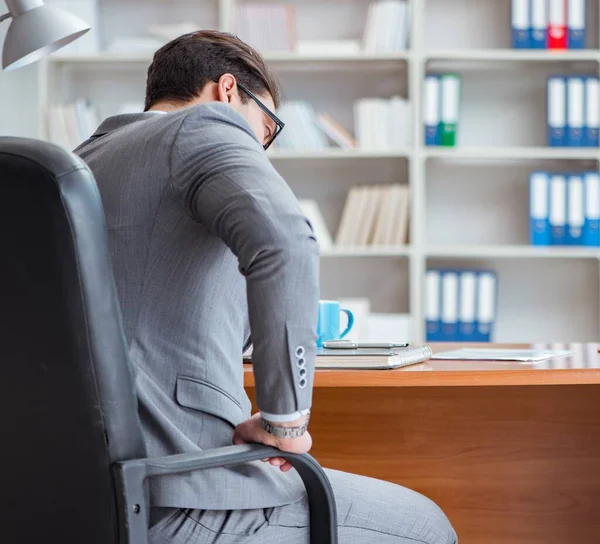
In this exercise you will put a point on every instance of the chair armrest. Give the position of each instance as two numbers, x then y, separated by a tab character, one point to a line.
131	475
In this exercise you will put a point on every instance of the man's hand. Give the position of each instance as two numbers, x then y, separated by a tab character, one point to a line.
251	431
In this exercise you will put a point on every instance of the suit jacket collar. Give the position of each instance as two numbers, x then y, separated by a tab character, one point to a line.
120	121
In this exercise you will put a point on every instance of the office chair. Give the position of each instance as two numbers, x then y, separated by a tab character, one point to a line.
72	458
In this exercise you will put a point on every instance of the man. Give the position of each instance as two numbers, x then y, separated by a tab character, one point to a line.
209	245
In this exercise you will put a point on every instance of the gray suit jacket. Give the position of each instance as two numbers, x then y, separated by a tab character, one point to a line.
208	245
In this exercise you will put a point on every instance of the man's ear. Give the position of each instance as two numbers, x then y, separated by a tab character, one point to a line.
227	89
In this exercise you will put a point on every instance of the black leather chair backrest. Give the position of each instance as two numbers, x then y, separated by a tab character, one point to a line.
68	409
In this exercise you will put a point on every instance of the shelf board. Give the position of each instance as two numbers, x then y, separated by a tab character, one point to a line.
523	153
274	57
336	153
514	55
361	57
368	251
513	252
102	58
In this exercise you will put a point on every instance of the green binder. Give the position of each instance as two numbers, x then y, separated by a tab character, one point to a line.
450	92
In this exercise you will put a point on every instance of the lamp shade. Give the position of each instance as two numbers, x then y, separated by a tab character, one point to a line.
37	32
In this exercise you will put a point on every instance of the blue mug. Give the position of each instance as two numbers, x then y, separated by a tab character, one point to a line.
328	322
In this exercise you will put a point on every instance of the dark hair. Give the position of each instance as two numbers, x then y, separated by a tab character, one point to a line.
181	68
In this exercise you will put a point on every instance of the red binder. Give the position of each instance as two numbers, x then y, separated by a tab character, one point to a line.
557	24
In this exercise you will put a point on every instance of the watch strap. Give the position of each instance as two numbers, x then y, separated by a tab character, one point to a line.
285	432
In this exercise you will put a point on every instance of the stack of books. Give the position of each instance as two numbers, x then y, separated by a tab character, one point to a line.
387	27
549	24
460	305
564	209
71	124
382	124
573	112
375	215
441	106
302	131
379	125
267	27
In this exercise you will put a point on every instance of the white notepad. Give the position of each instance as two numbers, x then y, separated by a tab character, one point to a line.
490	354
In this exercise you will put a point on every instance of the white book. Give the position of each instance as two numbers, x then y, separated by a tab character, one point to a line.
361	123
557	14
57	130
591	182
369	34
468	296
402	33
538	195
397	122
432	295
576	14
348	218
557	102
336	132
381	123
558	201
576	101
384	216
449	297
72	125
450	90
432	102
576	208
539	15
401	229
486	300
311	210
520	14
592	102
372	210
395	197
356	227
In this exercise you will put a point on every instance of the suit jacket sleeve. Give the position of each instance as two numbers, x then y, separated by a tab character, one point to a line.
222	177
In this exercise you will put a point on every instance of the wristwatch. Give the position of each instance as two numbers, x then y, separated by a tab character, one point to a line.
285	432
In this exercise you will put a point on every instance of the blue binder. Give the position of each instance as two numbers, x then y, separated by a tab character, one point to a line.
591	229
433	305
558	209
521	24
576	27
467	306
592	112
539	208
575	111
432	107
486	306
557	111
575	210
450	298
539	24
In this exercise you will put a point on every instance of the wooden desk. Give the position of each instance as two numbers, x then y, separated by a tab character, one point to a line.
510	451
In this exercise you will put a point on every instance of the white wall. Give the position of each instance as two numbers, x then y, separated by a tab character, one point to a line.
18	97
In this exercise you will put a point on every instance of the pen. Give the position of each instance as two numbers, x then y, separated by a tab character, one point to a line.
347	344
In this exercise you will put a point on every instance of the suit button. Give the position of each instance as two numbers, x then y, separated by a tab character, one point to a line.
301	362
302	383
302	372
300	351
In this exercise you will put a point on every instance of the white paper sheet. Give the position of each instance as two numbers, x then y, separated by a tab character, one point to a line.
490	354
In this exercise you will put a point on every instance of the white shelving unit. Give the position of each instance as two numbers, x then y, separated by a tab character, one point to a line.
468	204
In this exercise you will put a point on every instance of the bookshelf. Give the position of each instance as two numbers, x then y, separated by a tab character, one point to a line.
468	203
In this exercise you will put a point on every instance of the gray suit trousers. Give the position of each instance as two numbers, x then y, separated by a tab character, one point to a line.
369	511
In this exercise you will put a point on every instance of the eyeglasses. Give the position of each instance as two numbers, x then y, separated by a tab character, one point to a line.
278	122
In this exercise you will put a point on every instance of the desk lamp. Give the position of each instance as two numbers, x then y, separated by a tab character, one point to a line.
37	30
